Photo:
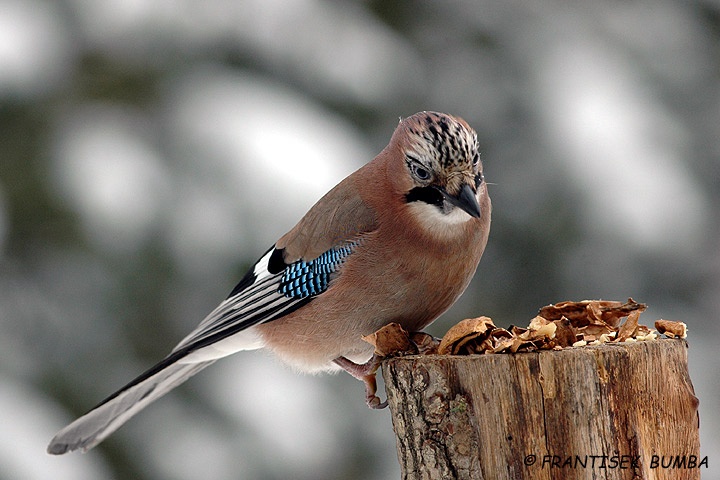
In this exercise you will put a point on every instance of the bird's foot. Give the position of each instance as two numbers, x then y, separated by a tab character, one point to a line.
365	373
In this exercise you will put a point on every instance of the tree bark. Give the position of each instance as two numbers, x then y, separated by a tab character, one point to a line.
614	411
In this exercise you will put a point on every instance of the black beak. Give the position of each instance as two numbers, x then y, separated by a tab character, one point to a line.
465	200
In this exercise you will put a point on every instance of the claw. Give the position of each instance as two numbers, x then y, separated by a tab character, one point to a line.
366	374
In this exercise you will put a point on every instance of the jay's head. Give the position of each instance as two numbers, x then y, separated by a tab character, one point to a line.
441	174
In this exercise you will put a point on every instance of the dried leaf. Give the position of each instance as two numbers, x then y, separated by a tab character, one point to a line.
595	329
570	310
473	344
539	328
642	330
564	324
630	327
500	332
503	344
671	328
463	332
499	340
426	343
390	340
564	334
586	312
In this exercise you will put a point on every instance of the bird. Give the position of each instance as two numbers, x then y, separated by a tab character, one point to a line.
396	241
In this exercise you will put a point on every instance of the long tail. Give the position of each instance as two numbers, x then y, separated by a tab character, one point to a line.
92	428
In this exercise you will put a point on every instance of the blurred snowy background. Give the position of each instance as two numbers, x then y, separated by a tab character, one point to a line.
151	150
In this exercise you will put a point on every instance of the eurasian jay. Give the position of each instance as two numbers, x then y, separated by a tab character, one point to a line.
396	241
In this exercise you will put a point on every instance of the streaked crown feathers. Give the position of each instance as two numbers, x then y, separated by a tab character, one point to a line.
446	140
445	145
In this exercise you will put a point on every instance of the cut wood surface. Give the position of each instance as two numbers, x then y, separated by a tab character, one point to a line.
613	411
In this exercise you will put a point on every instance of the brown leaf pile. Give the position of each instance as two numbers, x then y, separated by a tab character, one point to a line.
558	326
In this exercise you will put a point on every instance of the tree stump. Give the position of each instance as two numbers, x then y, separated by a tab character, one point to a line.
613	411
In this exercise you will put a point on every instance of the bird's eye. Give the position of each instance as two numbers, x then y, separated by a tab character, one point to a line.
479	179
420	172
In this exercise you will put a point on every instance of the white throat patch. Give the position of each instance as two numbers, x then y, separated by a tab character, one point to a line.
437	222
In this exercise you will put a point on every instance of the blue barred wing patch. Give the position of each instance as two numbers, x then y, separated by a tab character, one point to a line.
262	296
303	279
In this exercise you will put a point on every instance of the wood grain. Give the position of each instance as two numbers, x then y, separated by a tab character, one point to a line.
602	412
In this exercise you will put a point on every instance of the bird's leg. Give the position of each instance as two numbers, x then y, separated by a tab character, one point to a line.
366	374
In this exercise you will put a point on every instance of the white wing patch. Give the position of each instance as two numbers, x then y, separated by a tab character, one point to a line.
248	339
229	328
